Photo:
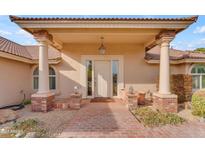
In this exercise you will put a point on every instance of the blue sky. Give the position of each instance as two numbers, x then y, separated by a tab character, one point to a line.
189	39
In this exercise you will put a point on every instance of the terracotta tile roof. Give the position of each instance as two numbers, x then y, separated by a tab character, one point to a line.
174	54
52	53
14	18
13	48
29	52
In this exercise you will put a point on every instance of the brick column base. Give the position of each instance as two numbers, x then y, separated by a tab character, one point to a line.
165	103
42	102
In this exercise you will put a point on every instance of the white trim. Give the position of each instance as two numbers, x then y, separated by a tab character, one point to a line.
100	57
192	66
32	81
196	74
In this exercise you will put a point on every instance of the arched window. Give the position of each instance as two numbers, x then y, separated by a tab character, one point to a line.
198	77
52	78
35	78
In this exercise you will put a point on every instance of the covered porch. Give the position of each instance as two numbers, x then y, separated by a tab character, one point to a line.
62	33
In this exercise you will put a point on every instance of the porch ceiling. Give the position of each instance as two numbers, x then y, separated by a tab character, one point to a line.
110	35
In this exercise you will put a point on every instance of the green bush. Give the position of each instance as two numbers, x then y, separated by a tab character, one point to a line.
26	102
26	125
198	103
153	118
30	125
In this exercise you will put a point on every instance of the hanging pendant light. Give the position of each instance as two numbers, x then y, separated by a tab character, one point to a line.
102	47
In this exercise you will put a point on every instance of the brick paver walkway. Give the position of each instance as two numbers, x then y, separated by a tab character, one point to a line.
114	120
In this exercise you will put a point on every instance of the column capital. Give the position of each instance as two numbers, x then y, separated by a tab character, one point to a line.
165	36
165	41
43	36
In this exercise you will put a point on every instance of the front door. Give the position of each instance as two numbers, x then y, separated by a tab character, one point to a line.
102	78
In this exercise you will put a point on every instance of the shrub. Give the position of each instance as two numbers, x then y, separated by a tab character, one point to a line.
26	102
26	125
153	118
30	125
198	103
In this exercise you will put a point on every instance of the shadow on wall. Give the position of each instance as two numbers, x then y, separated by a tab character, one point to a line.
67	86
68	76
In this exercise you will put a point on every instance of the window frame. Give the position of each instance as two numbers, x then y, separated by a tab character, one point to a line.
34	76
52	76
197	74
37	76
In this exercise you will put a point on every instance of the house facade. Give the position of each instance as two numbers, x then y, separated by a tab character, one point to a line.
100	57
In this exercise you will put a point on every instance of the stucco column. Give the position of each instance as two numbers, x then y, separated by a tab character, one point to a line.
163	100
42	101
43	67
164	75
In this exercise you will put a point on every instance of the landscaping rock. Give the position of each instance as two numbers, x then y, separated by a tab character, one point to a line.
19	134
202	119
7	115
30	135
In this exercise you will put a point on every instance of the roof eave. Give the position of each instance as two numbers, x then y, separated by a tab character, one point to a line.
181	61
26	60
14	18
173	23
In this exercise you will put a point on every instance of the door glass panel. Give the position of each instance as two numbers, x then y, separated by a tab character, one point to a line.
115	70
89	77
196	82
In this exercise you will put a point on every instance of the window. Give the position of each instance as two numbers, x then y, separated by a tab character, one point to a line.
114	77
52	78
198	77
35	78
89	77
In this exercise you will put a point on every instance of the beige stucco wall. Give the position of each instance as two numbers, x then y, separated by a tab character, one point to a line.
14	77
178	69
137	72
181	68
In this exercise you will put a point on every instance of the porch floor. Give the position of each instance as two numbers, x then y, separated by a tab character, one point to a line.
114	120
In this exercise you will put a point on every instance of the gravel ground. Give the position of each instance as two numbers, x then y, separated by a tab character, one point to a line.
187	114
53	121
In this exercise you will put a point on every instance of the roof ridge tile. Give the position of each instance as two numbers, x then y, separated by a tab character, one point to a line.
190	18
